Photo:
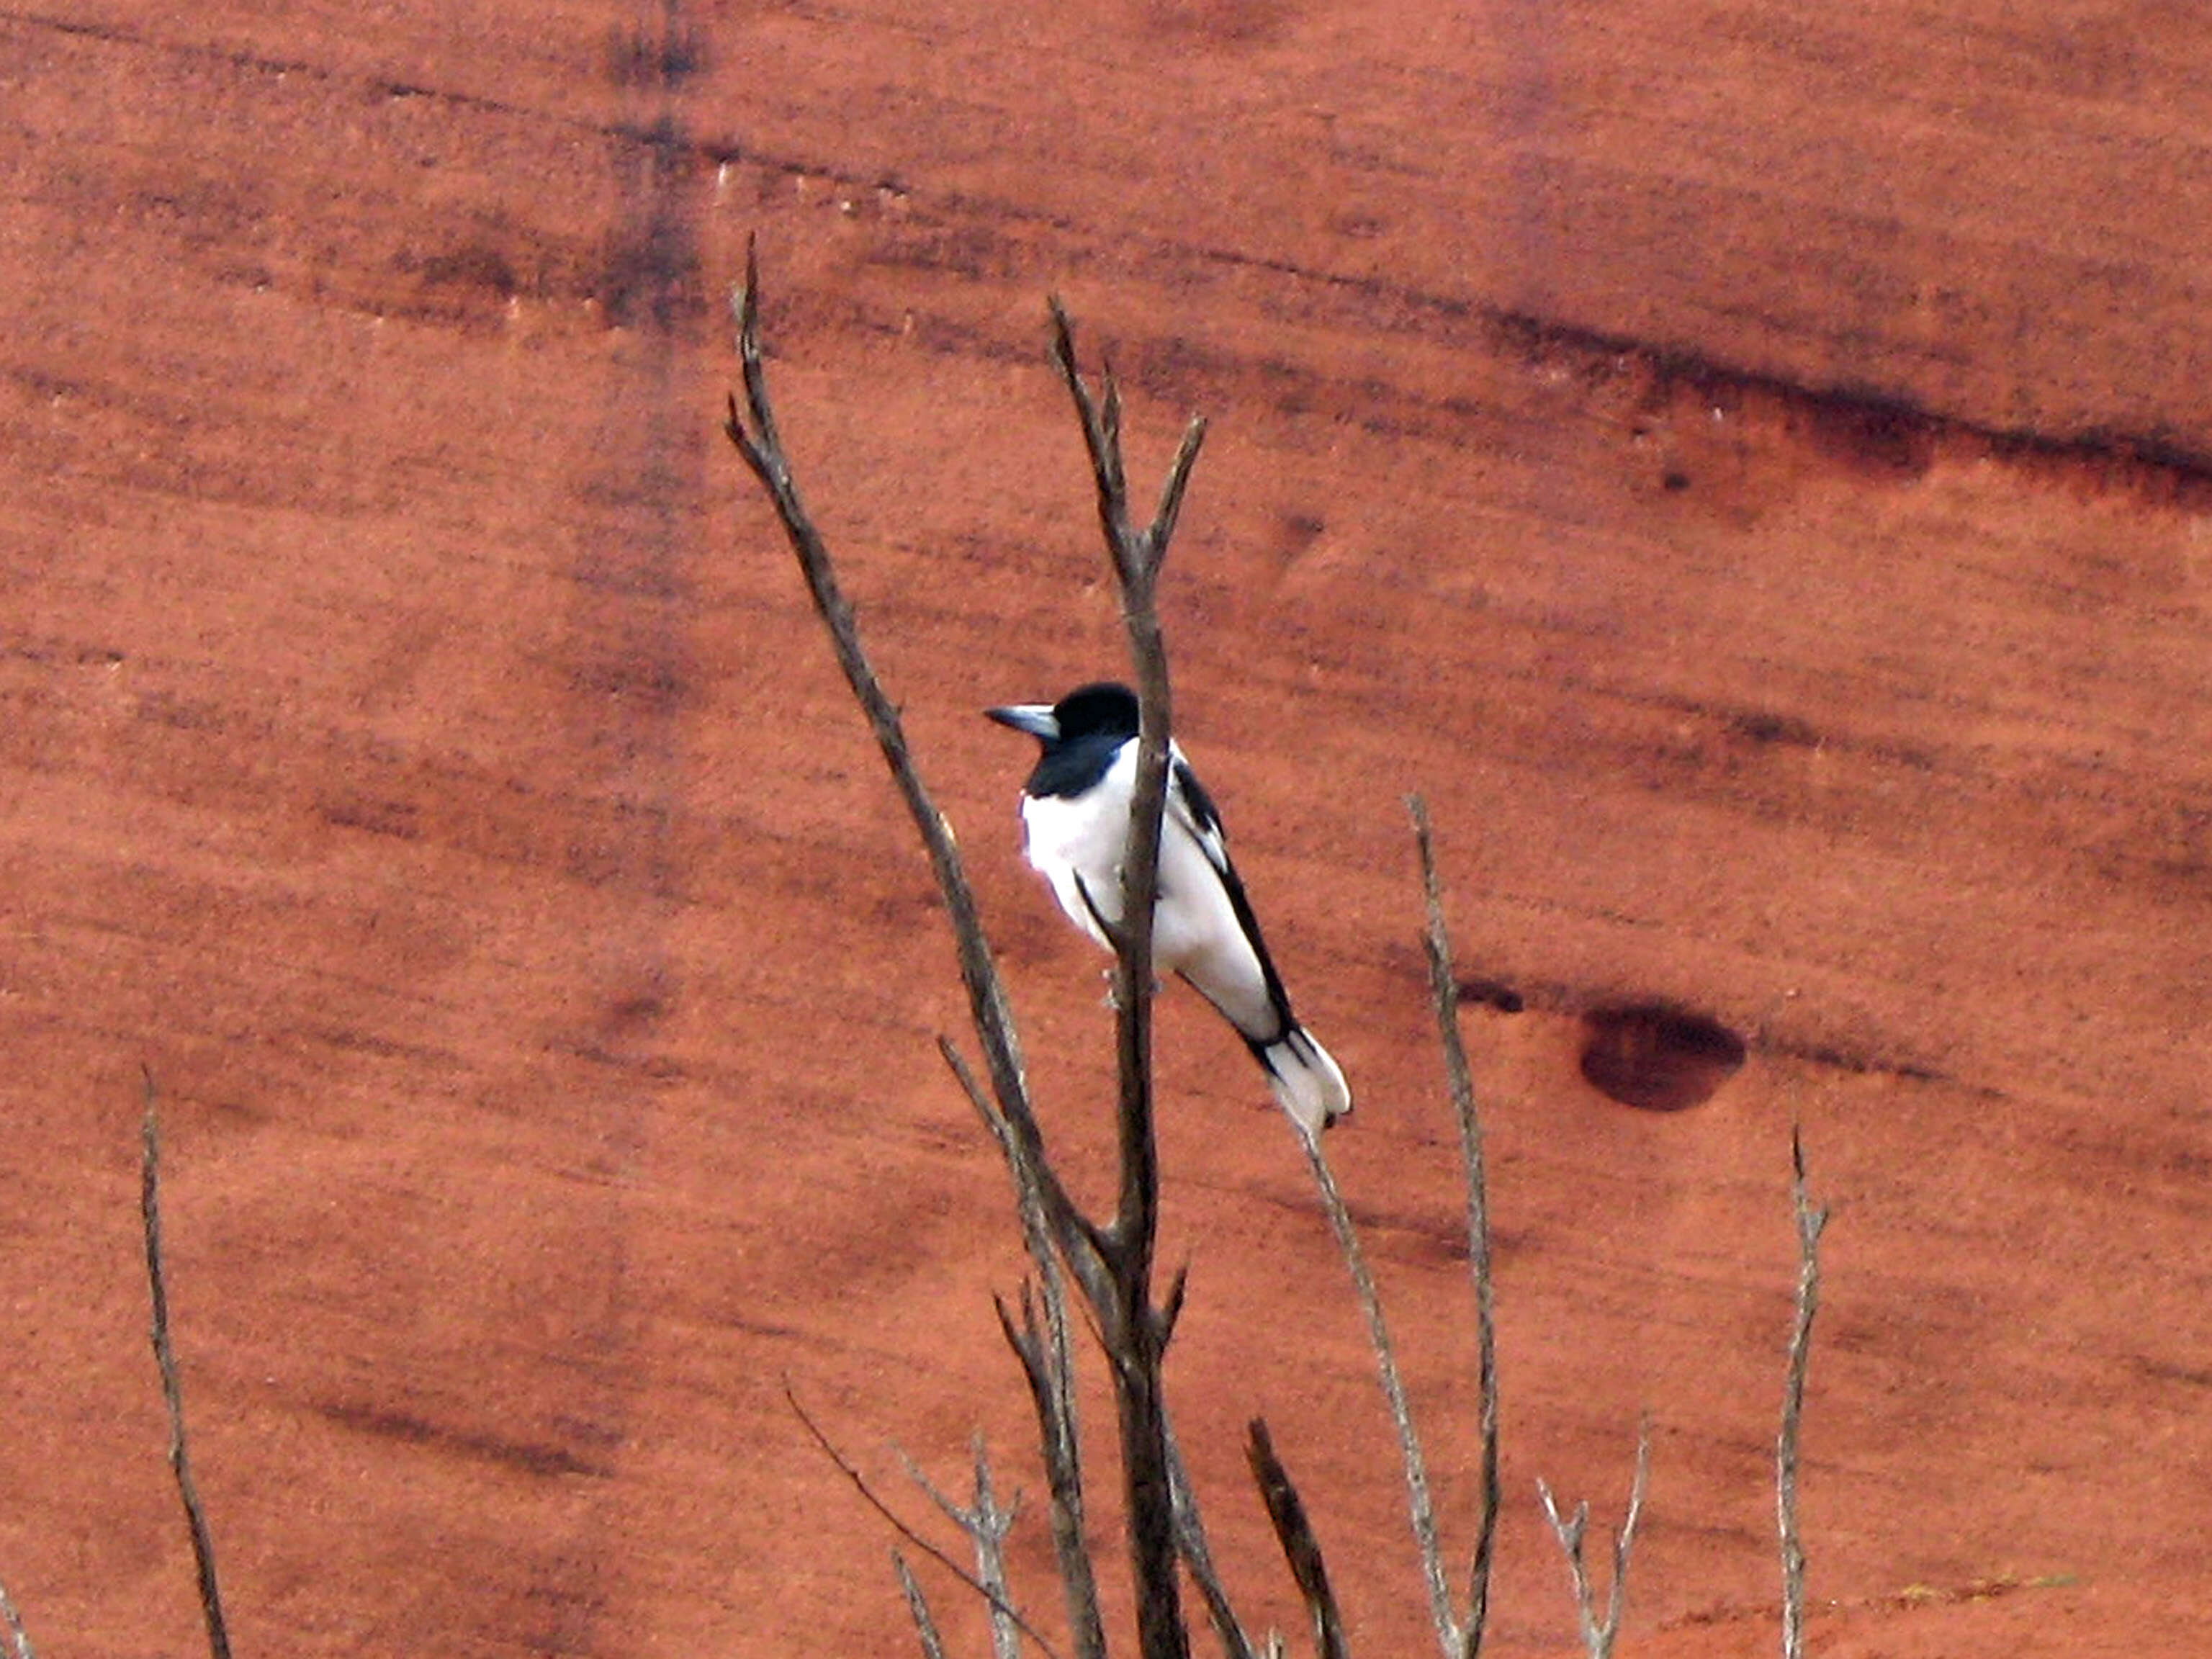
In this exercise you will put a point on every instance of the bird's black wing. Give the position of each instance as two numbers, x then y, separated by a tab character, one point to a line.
1193	809
1199	814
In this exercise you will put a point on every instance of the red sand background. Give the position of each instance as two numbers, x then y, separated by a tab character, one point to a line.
1748	463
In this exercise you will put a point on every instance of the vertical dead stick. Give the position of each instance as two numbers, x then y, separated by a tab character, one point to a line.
1443	993
917	1605
18	1639
1137	555
1198	1560
1811	1219
1040	1343
1137	1333
1301	1549
1419	1505
165	1357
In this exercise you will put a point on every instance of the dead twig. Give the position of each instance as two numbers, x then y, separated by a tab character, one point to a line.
1811	1220
859	1484
752	432
1420	1506
1137	1333
1443	993
986	1525
1301	1549
18	1639
1599	1630
917	1604
1041	1348
165	1359
1198	1557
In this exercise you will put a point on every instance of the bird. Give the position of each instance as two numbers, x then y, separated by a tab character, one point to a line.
1075	820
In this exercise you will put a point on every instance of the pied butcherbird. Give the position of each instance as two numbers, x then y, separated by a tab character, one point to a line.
1075	818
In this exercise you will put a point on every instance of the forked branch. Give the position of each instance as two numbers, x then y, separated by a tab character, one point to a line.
1600	1629
998	1603
1136	554
1110	1264
1420	1506
752	432
1137	1332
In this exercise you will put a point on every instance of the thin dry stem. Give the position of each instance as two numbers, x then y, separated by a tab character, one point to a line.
165	1359
1040	1343
859	1482
18	1639
1198	1558
986	1525
1443	992
1599	1630
1301	1549
1811	1220
751	429
1041	1349
917	1604
1419	1505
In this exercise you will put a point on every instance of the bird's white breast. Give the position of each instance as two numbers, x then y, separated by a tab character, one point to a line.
1196	931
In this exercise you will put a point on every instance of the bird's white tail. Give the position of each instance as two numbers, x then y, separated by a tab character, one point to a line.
1308	1084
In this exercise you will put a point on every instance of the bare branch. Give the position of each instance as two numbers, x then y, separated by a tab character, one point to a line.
165	1359
859	1484
1101	421
1135	557
1136	1333
1421	1507
1198	1557
1811	1220
1042	1348
18	1639
933	1647
1112	1265
1041	1345
1600	1632
752	432
1301	1549
987	1526
1178	479
1443	992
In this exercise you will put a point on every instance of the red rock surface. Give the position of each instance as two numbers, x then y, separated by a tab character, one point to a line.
1746	464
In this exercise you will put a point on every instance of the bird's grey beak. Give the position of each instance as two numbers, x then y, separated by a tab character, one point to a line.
1034	718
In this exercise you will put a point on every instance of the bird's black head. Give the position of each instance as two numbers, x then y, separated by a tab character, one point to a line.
1081	734
1104	709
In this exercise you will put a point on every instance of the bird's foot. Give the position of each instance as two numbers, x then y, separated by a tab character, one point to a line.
1109	976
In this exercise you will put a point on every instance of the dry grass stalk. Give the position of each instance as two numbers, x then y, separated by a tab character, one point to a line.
1443	994
1811	1220
165	1359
